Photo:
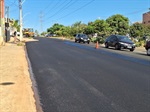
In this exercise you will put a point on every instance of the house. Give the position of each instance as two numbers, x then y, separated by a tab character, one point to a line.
146	18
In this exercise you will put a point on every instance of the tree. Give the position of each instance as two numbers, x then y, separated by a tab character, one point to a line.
78	27
137	30
101	27
89	30
147	30
16	25
54	28
36	32
118	24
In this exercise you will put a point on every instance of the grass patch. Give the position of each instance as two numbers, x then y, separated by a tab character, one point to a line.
20	44
30	37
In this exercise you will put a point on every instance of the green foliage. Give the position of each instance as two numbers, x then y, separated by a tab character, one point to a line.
54	28
30	37
139	43
43	33
36	32
146	30
20	44
16	24
118	24
137	30
89	30
99	39
79	27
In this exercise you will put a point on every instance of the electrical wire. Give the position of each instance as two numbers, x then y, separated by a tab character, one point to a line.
76	10
51	9
12	3
48	5
61	9
73	11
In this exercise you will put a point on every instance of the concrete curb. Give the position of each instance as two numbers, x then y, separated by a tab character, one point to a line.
34	84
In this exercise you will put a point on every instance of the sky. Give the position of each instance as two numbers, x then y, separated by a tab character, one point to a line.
42	14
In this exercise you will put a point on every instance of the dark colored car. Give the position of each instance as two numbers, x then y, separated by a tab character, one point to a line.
147	47
82	38
119	42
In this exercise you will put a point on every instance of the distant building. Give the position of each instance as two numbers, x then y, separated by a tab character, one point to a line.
146	18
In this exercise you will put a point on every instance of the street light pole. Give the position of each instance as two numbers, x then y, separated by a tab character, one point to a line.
20	12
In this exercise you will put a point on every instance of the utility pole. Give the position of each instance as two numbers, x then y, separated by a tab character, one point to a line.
7	30
7	13
2	23
41	21
20	12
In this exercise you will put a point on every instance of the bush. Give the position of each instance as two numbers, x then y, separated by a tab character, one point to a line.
20	44
93	39
139	43
99	39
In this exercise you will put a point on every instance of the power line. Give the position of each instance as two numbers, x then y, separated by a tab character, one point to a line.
61	9
76	10
48	5
51	9
135	12
12	3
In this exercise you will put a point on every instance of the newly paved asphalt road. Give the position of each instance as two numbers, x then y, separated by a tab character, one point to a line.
73	77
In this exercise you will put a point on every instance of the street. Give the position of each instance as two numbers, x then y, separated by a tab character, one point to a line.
73	77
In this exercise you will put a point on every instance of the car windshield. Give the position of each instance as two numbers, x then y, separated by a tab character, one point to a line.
84	36
123	38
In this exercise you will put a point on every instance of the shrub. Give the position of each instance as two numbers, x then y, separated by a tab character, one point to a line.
99	39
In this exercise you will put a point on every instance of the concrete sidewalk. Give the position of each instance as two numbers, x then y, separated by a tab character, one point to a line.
16	94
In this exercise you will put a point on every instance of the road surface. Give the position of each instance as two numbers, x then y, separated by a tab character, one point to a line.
73	77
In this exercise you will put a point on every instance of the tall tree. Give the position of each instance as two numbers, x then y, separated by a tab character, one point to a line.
119	24
101	27
78	27
137	30
54	28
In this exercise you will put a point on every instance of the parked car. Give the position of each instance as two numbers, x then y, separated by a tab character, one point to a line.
147	47
82	38
119	42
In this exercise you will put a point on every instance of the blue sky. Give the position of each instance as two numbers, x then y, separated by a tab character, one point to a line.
67	12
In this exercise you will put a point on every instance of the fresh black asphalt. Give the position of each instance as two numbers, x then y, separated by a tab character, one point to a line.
74	78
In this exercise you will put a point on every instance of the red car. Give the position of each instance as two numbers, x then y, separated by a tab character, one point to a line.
147	47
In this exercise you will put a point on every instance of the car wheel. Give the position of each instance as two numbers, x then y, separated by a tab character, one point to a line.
79	41
117	47
148	51
75	40
106	45
131	50
88	42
